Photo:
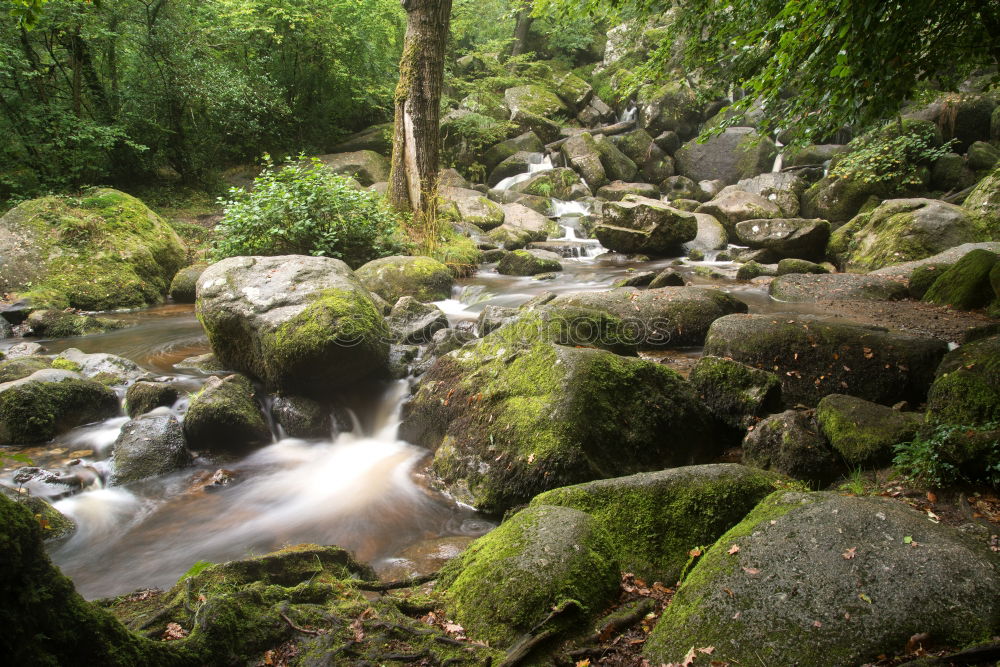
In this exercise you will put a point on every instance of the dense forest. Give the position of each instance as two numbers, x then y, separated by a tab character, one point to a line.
637	333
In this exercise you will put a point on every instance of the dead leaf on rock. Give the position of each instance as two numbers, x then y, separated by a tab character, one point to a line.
849	554
752	571
733	549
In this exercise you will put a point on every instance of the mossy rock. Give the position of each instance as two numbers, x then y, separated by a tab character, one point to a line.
750	270
51	401
786	237
543	558
423	278
413	323
54	524
966	285
967	387
143	396
103	251
789	266
839	199
643	225
106	368
862	432
534	99
528	263
984	199
366	166
923	277
224	415
300	324
738	152
183	287
822	579
515	414
736	393
617	165
63	324
148	447
904	230
527	142
556	183
804	286
22	367
303	417
654	519
790	443
471	206
814	358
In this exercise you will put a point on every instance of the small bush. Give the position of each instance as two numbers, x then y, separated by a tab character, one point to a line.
305	209
950	453
893	155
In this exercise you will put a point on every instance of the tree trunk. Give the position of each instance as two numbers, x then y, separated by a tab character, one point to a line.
521	29
416	139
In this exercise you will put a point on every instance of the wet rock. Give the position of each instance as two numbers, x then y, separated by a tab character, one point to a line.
786	237
22	367
64	324
494	317
662	317
949	257
668	277
528	142
653	518
224	416
413	323
966	285
366	166
923	277
790	443
514	414
751	269
790	266
807	288
856	555
49	402
642	225
182	288
470	206
967	387
54	524
511	579
617	190
445	340
528	263
581	153
903	230
711	234
736	153
518	163
206	364
24	350
535	100
638	279
401	360
862	432
737	394
682	187
423	278
105	368
144	396
303	417
735	206
556	183
617	165
522	226
148	447
814	358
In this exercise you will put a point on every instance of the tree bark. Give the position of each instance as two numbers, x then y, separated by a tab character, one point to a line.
416	139
521	30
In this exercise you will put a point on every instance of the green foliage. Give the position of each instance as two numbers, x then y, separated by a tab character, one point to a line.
941	456
305	209
894	155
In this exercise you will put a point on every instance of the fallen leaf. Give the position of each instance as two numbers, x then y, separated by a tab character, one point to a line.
916	641
908	540
730	592
733	549
688	659
932	498
864	598
583	663
694	553
817	624
849	554
174	631
708	650
357	627
751	571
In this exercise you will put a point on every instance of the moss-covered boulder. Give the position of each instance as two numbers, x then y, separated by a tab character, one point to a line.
790	443
984	199
423	278
303	417
786	237
789	266
515	414
535	100
413	323
673	106
711	233
814	358
522	225
662	317
64	324
804	284
556	183
225	416
148	447
542	559
304	324
581	153
184	284
833	580
966	285
862	432
967	387
49	402
923	277
365	166
734	206
654	519
838	199
618	190
54	524
982	155
753	269
617	165
146	395
668	277
903	230
22	367
103	251
528	263
643	225
739	152
737	394
463	205
105	368
518	163
528	142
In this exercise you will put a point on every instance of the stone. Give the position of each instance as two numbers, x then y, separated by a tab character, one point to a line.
617	190
49	402
528	263
642	225
813	155
617	165
105	368
791	594
966	285
984	200
376	138
814	358
22	367
572	90
534	100
839	199
104	251
303	417
948	257
365	166
813	287
145	395
982	155
682	187
672	106
148	447
739	152
786	237
949	172
790	443
508	581
737	394
225	416
668	277
790	266
862	432
711	234
305	324
518	163
470	206
555	183
904	230
735	206
966	388
64	324
522	226
524	415
528	142
581	153
783	188
638	279
414	323
182	288
423	278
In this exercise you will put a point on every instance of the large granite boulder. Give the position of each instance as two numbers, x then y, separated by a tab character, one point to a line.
984	200
739	152
786	237
642	225
464	205
812	287
225	416
423	278
366	166
967	387
49	402
148	447
735	206
302	324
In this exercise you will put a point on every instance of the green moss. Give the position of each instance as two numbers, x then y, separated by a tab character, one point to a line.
864	433
225	415
524	263
966	285
734	391
923	277
66	365
423	278
967	389
22	367
459	253
34	411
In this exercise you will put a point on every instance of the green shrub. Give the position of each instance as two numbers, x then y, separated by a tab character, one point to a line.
950	453
893	155
305	209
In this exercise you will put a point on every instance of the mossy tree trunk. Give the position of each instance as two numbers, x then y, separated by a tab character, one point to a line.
416	139
521	30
